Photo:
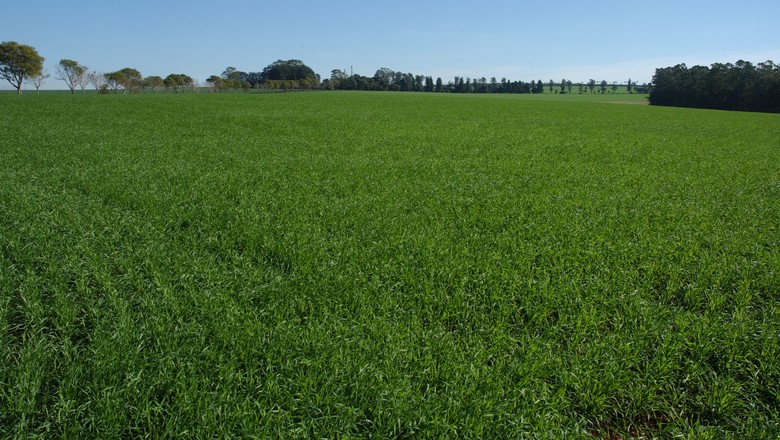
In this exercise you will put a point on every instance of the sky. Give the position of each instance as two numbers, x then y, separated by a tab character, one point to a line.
517	40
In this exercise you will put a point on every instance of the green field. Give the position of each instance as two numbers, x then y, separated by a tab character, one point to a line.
354	265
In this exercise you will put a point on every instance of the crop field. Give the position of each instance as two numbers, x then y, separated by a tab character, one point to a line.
379	265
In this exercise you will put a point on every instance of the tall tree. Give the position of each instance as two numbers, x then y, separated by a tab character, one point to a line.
128	78
428	84
291	72
154	82
229	73
383	78
17	62
592	85
73	73
177	81
216	82
419	81
98	81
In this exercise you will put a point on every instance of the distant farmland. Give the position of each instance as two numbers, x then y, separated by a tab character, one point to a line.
386	265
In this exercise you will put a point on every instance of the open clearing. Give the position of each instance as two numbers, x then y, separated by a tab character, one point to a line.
388	265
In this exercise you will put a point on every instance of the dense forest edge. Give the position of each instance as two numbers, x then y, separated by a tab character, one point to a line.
741	86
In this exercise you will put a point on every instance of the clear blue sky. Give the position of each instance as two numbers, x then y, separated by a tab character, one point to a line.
519	40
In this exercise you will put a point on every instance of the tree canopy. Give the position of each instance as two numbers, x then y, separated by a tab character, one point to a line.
739	86
128	79
17	62
73	73
178	81
154	82
290	70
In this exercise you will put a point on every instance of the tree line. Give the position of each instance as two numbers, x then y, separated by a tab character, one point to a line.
20	63
127	79
293	74
386	79
740	86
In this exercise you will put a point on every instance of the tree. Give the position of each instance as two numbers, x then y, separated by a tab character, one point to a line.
419	82
128	79
563	86
131	79
592	85
98	81
216	82
176	81
154	82
230	73
17	62
460	85
428	84
113	81
37	80
73	73
338	80
538	87
291	72
439	85
383	78
233	79
603	86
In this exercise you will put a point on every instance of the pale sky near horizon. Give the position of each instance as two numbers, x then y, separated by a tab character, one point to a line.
517	40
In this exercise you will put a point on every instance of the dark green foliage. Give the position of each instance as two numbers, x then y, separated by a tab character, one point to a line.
127	80
19	62
739	86
289	74
290	70
178	81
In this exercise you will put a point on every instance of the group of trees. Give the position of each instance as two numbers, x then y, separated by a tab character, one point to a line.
293	74
289	74
740	86
128	80
20	63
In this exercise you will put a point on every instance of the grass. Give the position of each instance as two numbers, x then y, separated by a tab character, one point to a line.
386	265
